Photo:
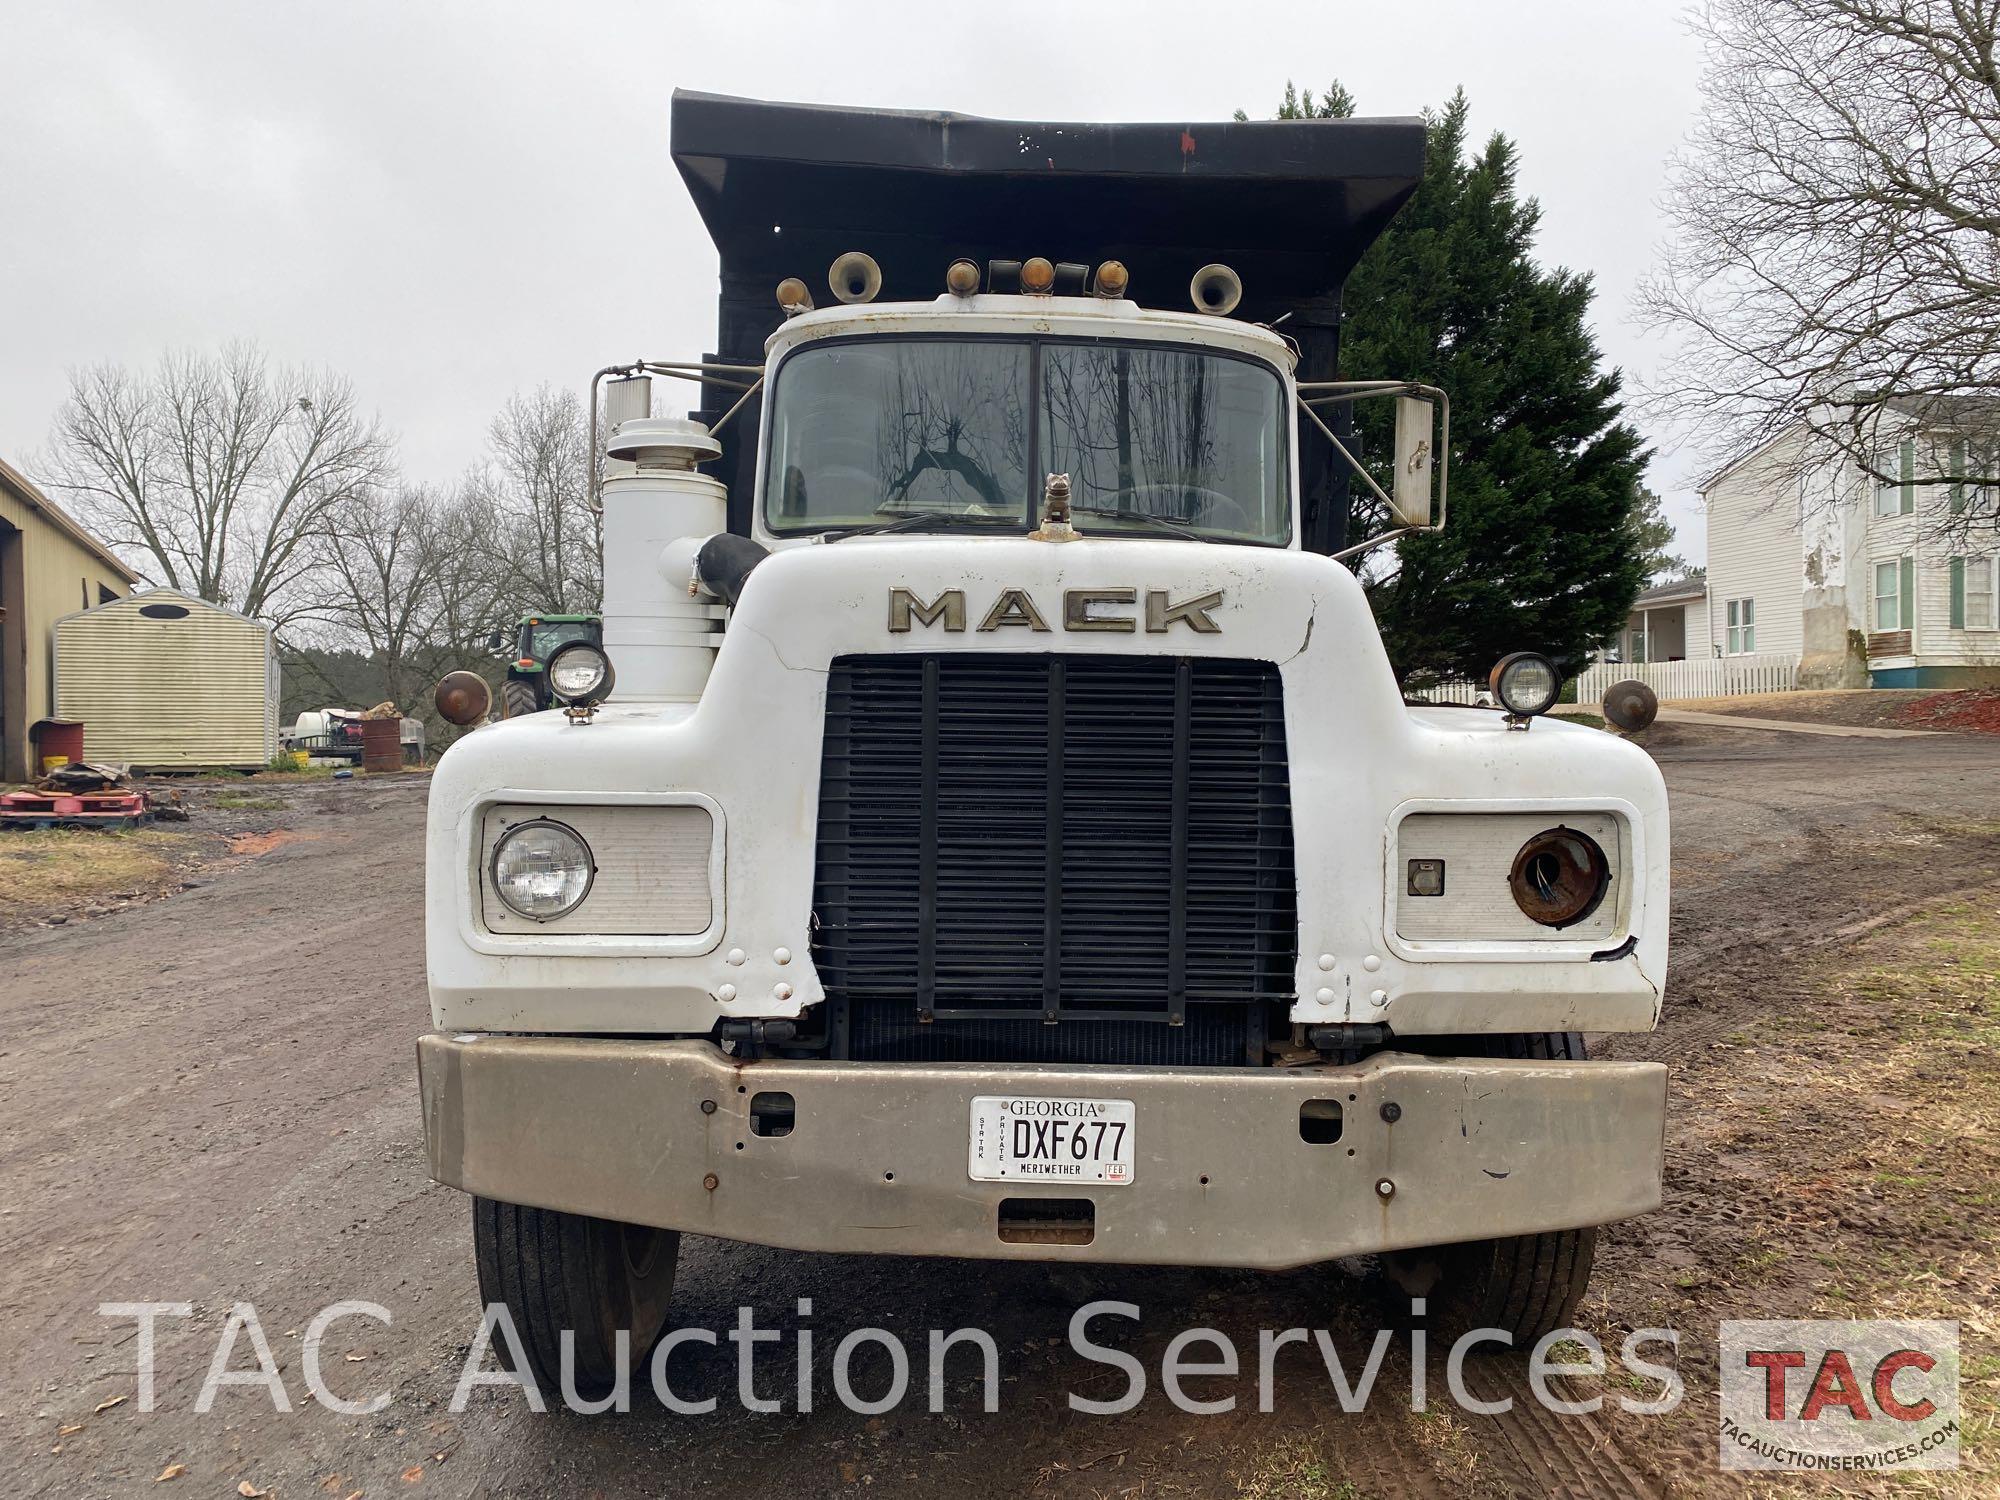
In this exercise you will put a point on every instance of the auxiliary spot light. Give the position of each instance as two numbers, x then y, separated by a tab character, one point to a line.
580	675
462	698
1526	683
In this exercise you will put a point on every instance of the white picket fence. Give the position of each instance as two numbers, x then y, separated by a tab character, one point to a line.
1705	677
1449	692
1710	677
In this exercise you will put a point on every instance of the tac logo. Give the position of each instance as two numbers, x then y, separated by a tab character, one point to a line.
1837	1396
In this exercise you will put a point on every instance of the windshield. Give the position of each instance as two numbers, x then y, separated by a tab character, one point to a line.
865	431
541	639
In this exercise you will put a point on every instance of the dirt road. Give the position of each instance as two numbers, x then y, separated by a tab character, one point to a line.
210	1099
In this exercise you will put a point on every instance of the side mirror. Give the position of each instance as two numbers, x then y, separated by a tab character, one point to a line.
495	641
1415	426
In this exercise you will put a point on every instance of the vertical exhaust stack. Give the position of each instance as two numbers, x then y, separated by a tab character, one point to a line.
658	510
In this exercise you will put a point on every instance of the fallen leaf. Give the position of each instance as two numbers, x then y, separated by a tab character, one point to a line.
114	1401
250	1491
171	1471
412	1474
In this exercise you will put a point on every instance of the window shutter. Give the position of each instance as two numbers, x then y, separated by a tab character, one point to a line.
1958	461
1958	593
1907	461
1907	594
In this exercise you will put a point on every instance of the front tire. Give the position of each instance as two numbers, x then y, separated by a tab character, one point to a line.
1527	1285
517	698
558	1272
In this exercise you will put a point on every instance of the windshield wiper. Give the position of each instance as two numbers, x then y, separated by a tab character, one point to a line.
916	521
1158	523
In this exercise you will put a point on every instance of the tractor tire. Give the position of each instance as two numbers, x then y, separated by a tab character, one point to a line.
516	699
592	1277
1525	1285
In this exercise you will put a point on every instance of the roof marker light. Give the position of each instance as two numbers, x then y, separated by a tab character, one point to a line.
961	278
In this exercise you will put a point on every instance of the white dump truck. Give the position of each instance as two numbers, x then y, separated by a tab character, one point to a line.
990	825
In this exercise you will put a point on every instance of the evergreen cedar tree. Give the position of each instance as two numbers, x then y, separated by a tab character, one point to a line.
1544	549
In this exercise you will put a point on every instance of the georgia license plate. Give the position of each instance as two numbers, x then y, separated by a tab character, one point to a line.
1017	1139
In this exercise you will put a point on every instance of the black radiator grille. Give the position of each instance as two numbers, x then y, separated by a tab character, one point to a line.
1008	838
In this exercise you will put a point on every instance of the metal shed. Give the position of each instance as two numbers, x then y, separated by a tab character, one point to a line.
166	681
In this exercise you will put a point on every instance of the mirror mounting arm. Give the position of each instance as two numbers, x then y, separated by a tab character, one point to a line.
1313	394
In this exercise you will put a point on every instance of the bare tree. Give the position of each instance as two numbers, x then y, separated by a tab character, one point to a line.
379	585
545	535
1835	260
217	471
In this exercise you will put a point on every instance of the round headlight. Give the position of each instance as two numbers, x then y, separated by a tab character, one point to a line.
580	673
542	869
1559	877
1526	683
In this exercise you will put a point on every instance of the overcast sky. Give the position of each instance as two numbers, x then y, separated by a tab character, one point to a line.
450	202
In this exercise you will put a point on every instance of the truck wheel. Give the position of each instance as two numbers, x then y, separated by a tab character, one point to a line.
592	1277
517	698
1526	1285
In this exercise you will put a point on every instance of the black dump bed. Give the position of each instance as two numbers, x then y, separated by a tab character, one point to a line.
1289	204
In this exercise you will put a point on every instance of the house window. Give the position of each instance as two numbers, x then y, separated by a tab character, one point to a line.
1895	583
1974	605
1898	497
1742	627
1637	654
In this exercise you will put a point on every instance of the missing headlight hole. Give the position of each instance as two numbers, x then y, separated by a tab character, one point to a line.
1559	877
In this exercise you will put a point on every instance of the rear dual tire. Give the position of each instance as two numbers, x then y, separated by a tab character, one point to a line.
557	1273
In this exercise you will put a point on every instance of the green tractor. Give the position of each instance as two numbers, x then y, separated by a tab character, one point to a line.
536	639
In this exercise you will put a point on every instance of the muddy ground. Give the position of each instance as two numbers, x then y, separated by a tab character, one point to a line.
210	1098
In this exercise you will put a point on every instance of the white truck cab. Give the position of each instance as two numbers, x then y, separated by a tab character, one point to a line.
992	827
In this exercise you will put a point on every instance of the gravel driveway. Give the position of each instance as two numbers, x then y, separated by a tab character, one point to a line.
211	1098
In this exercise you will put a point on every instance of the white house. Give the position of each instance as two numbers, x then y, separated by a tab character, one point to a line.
1857	582
1669	622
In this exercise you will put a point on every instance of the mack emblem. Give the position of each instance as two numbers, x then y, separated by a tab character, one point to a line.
1082	610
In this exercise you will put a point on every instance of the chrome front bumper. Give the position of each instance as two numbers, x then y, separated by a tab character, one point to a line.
1431	1150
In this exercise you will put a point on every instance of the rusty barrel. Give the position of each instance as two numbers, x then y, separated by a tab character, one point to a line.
381	744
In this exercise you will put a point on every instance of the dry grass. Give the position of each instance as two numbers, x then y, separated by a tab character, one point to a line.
1293	1469
51	867
1847	1149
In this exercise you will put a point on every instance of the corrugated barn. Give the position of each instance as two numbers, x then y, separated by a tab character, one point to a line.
49	565
166	681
